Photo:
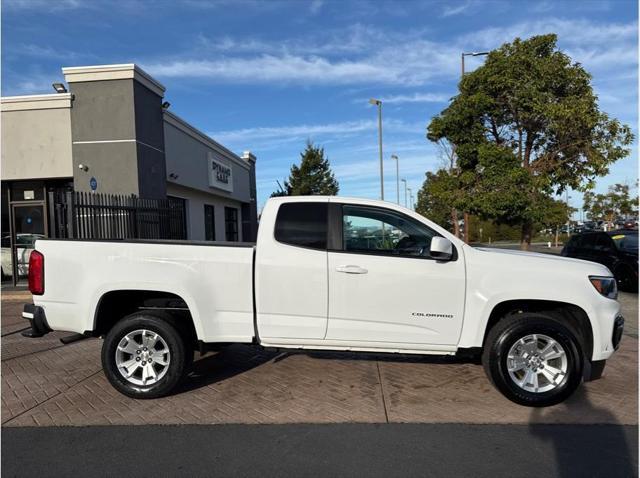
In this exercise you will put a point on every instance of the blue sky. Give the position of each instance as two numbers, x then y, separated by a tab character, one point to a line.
267	76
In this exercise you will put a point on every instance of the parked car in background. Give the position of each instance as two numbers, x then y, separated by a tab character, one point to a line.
24	245
618	250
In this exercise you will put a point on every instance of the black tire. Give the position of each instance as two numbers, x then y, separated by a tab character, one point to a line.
511	329
180	358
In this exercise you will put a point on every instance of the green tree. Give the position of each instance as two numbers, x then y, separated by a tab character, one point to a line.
617	202
312	178
531	110
437	197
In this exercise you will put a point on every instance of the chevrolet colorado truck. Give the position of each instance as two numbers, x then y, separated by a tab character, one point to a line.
330	273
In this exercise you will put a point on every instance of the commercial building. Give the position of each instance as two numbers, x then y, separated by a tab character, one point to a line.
112	132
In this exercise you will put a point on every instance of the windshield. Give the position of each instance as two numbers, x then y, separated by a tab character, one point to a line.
626	242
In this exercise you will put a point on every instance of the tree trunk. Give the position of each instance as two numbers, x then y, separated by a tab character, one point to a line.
466	227
525	239
454	222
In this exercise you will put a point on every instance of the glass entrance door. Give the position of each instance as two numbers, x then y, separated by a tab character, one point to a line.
29	224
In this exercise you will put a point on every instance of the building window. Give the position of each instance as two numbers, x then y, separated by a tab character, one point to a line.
231	223
209	223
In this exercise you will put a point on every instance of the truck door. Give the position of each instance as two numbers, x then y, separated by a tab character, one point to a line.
385	288
291	270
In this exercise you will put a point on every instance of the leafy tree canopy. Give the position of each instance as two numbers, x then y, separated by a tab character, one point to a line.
617	202
527	125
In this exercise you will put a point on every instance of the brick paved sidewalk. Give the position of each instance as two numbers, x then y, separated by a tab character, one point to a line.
45	383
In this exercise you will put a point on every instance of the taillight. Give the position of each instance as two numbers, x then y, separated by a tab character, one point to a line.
36	273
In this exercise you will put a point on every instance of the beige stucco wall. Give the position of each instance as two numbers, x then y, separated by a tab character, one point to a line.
36	143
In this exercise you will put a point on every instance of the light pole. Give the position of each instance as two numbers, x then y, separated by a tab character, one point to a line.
474	53
567	197
410	198
405	191
393	156
378	103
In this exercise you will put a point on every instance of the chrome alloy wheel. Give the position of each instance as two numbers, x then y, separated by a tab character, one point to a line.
537	363
143	357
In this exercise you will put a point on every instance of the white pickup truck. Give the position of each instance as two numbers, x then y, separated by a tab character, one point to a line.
331	273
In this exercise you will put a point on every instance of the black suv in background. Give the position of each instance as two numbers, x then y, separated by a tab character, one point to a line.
618	250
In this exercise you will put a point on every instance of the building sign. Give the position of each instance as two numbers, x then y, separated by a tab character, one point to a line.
220	174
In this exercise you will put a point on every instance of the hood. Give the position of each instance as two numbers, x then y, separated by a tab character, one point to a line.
538	257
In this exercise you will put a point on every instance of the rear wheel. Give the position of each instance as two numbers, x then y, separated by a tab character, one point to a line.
145	356
533	359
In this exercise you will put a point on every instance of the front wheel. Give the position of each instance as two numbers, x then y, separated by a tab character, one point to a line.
145	356
533	359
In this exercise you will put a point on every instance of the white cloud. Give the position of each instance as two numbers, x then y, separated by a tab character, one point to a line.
275	68
44	4
315	6
416	98
576	32
451	10
284	133
364	54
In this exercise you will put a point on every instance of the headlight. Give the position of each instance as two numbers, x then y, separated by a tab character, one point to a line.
605	285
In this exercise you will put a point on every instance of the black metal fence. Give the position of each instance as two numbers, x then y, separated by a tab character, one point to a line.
84	215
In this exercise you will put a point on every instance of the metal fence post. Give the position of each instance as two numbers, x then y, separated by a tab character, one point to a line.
71	220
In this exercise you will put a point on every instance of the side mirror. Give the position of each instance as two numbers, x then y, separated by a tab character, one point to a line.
441	248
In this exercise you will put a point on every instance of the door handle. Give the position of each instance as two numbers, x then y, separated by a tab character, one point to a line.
349	269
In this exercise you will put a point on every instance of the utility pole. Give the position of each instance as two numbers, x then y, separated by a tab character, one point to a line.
567	197
393	156
405	191
465	214
378	103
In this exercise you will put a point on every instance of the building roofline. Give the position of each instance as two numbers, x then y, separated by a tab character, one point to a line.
178	122
36	102
74	74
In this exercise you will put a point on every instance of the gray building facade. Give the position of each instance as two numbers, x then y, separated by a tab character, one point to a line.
112	132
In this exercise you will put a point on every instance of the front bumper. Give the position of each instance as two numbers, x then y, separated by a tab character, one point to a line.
594	368
37	319
618	328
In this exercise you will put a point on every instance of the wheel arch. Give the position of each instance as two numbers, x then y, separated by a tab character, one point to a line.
113	305
574	316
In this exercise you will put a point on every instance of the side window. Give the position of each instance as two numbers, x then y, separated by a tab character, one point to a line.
587	242
302	224
575	243
381	231
604	243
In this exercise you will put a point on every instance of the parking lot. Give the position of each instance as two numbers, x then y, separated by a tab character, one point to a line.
46	383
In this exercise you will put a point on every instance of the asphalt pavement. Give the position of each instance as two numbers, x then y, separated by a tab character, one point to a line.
371	450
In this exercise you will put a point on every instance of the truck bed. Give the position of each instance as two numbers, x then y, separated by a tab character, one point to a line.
215	281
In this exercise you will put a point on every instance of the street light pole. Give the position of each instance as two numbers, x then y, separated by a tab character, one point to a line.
410	198
393	156
378	103
474	53
405	191
567	197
